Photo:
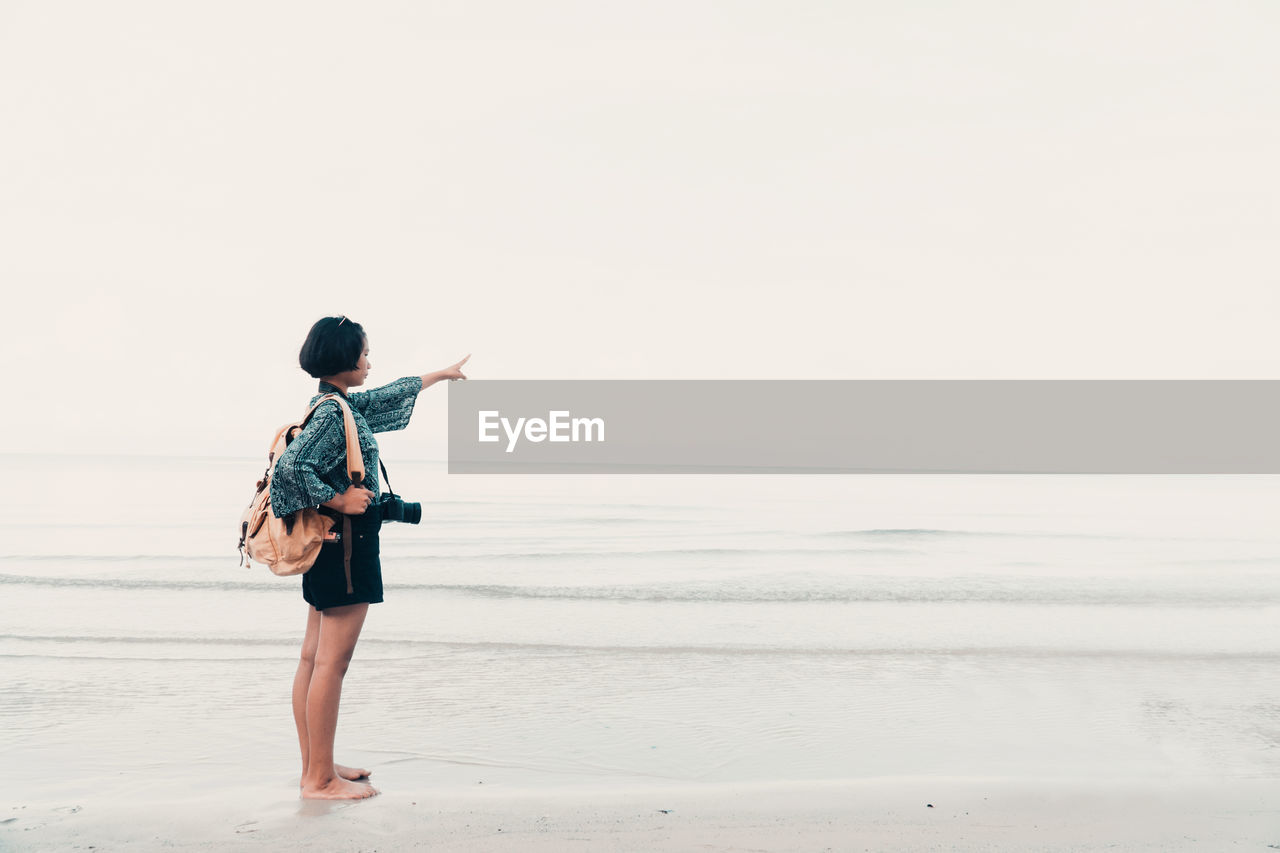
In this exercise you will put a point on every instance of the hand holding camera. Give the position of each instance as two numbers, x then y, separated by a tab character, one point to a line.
354	501
357	500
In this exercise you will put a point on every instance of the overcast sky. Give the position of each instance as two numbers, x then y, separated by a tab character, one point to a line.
621	190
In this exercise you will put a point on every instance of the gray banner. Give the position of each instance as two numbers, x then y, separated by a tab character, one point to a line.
864	426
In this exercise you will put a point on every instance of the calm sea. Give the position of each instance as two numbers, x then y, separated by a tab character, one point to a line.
561	630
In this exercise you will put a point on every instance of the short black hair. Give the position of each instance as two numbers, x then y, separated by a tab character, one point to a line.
334	345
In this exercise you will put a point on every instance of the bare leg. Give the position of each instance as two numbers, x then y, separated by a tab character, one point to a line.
301	684
339	631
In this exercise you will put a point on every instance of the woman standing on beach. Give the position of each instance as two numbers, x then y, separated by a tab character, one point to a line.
312	472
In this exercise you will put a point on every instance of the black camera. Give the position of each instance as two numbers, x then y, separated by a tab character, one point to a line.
391	508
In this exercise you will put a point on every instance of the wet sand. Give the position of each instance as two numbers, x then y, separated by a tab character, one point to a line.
871	814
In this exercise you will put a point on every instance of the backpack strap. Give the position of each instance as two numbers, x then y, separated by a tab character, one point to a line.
355	459
346	550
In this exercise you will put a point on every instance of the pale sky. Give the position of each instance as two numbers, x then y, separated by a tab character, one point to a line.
605	190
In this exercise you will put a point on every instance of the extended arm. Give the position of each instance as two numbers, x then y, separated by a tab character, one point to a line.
452	372
389	408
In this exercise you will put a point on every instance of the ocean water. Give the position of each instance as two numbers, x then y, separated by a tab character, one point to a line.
545	631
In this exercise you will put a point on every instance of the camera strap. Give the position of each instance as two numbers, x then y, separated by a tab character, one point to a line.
385	478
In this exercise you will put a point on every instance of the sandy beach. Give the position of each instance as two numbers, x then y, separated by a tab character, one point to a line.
870	814
798	665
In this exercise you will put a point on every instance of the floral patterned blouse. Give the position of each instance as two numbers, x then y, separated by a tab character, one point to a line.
314	467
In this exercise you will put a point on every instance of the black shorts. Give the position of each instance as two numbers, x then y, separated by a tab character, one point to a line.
324	585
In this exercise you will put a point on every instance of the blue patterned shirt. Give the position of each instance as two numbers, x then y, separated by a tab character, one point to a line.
313	469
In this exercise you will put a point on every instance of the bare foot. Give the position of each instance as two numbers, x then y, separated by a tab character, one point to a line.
336	788
352	773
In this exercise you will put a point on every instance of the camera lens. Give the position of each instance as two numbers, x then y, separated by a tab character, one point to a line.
394	509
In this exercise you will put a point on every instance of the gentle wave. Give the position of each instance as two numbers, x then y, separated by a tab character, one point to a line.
721	650
881	591
143	583
949	593
116	558
508	555
221	524
940	533
929	531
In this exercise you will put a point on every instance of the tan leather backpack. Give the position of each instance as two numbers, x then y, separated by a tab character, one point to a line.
290	545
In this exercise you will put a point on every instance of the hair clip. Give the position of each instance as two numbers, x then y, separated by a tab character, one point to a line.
343	320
